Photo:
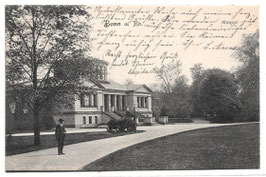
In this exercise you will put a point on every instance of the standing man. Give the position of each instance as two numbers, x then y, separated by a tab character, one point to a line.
60	136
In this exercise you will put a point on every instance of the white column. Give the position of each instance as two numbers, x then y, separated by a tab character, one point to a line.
99	100
78	102
149	103
91	99
134	103
86	100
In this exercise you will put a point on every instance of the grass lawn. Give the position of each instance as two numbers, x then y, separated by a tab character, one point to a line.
21	144
230	147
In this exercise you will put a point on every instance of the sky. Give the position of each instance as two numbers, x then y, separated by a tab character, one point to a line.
108	23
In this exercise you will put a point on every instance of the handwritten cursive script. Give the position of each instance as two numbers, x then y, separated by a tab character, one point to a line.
143	37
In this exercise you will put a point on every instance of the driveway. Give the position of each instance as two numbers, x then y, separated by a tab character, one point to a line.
79	155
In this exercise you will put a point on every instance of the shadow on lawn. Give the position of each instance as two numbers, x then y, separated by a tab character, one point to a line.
55	154
226	147
23	144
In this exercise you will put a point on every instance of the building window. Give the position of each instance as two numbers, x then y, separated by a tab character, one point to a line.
101	72
142	102
90	120
146	102
86	100
97	76
138	100
84	120
104	73
96	119
95	100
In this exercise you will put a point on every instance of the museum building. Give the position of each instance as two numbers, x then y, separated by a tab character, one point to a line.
107	100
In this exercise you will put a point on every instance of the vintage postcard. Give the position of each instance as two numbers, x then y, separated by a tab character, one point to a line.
131	88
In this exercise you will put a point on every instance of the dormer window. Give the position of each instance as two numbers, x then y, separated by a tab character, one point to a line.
102	72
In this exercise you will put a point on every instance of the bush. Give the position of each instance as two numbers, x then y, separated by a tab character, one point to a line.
219	96
180	120
163	112
122	125
47	123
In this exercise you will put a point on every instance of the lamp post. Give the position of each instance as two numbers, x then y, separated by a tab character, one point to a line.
25	110
234	114
12	106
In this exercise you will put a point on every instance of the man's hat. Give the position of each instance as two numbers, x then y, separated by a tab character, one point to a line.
61	120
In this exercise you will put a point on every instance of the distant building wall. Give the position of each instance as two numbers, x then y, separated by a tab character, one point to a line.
88	120
69	119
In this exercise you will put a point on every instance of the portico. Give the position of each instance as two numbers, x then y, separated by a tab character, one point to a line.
114	102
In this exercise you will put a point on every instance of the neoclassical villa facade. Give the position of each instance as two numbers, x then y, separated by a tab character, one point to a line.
107	100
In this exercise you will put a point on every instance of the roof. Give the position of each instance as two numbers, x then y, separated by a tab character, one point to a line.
135	87
98	60
114	86
130	87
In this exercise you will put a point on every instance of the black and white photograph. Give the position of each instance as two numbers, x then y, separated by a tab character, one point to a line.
114	88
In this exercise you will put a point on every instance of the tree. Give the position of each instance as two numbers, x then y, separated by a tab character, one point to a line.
248	75
219	95
129	82
180	101
198	74
167	74
175	95
39	40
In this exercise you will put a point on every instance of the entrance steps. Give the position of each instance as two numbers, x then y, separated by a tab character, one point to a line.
112	115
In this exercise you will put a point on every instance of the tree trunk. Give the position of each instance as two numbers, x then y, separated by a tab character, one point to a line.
36	126
36	122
